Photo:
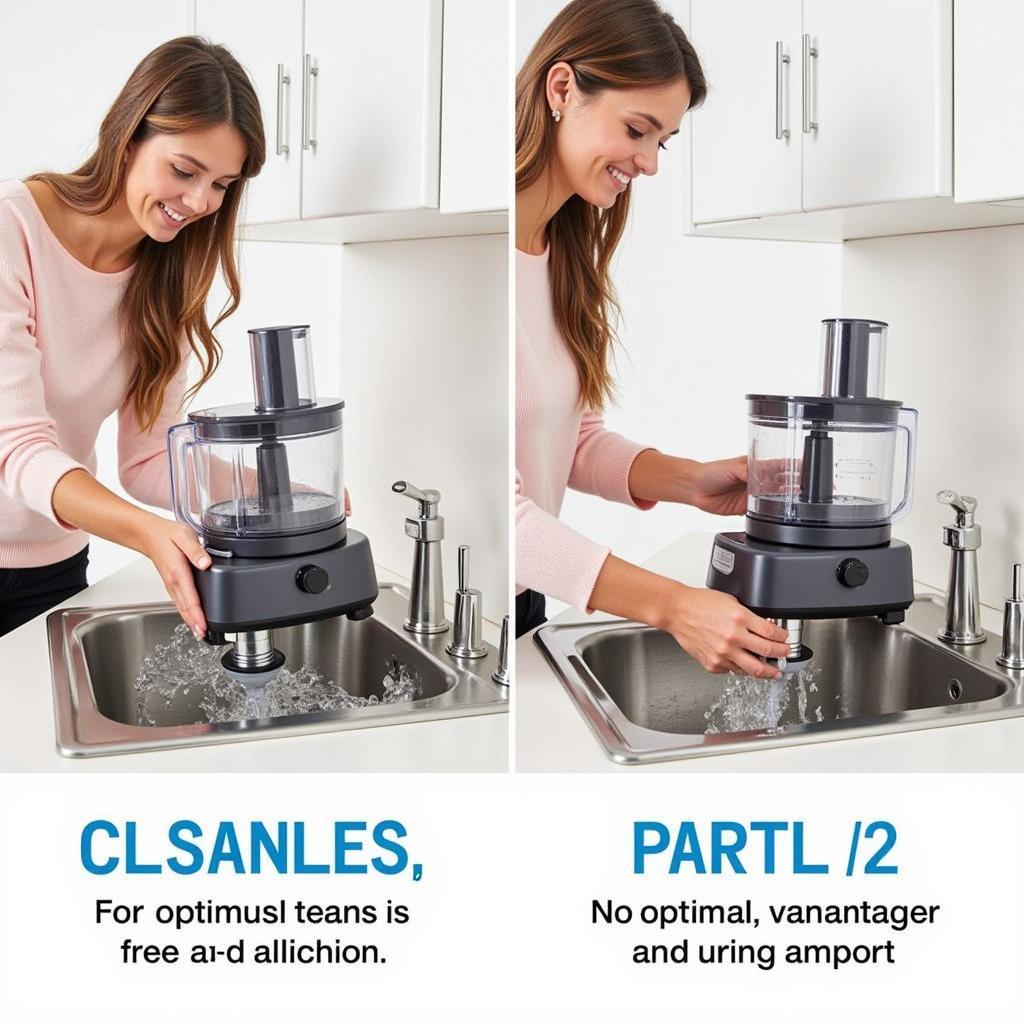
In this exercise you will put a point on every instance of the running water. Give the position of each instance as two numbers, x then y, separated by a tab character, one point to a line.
747	703
184	683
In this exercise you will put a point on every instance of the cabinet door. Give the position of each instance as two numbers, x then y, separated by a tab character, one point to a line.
744	164
988	120
51	110
374	107
475	162
263	34
881	95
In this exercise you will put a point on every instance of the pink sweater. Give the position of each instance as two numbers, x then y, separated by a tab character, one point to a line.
557	445
63	371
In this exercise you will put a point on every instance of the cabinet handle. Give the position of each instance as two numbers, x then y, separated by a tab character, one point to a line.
282	81
780	59
310	72
808	82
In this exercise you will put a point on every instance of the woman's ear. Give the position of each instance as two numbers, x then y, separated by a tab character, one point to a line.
560	84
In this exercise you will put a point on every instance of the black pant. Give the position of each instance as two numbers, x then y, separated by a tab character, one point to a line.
26	593
529	611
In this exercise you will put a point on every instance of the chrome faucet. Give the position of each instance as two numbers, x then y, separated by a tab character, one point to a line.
963	603
426	593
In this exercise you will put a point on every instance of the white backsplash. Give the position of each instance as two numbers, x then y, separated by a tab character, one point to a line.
425	378
955	309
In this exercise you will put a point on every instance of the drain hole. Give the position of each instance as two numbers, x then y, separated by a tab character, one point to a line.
956	689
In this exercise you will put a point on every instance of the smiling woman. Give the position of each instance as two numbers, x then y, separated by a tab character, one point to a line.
104	275
602	91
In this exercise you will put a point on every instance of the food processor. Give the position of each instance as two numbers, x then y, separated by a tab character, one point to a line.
262	486
820	506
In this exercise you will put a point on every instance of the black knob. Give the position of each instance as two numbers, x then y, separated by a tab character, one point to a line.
852	572
312	579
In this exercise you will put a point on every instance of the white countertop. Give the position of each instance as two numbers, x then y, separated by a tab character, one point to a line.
27	739
551	734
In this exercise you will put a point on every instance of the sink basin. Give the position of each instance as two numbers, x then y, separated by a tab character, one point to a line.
647	700
95	655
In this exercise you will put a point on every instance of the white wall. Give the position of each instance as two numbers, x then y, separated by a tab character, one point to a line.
705	320
954	304
425	375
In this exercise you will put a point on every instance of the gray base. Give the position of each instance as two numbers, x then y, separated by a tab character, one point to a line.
240	594
782	581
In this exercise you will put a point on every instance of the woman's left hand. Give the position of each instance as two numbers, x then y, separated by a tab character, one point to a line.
721	487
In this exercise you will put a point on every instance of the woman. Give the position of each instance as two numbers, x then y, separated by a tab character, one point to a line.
104	275
604	88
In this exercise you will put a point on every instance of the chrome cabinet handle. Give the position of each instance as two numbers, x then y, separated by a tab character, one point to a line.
282	81
809	52
780	59
310	71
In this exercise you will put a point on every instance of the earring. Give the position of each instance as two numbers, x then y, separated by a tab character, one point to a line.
557	115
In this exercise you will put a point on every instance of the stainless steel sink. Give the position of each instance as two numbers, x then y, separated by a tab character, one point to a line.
647	700
95	655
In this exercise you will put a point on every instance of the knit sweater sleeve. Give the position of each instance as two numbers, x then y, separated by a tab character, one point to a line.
31	459
143	464
602	462
553	558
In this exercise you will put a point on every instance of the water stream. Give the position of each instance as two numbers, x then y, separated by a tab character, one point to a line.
184	683
766	705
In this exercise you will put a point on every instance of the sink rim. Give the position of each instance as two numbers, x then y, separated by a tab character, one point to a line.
627	743
82	730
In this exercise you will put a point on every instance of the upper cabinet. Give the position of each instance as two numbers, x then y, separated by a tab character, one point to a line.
820	104
746	149
266	38
476	166
371	131
988	115
878	87
829	120
351	100
51	113
359	146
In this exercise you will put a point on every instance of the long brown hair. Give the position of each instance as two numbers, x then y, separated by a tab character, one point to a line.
185	84
610	44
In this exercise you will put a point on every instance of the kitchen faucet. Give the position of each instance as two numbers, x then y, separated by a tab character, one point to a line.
963	604
426	592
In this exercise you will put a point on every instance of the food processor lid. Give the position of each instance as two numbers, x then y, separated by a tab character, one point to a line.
869	411
243	422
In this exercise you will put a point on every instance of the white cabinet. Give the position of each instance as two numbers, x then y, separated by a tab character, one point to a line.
360	114
476	166
746	146
373	108
881	93
266	38
51	110
865	96
989	117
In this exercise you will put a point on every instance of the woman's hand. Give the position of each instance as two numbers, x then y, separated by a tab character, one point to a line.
721	487
714	627
173	549
82	501
723	635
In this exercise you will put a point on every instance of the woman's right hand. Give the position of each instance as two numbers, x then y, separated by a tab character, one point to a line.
714	627
723	635
174	549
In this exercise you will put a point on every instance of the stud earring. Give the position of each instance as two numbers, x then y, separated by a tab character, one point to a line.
557	115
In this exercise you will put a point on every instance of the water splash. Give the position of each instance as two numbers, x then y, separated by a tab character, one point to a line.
747	703
184	683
